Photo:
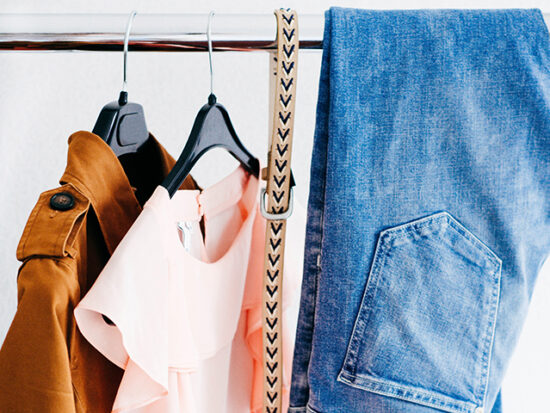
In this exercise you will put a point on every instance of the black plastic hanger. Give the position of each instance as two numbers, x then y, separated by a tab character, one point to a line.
212	129
121	123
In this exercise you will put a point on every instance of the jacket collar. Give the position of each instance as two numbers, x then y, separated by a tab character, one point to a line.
94	169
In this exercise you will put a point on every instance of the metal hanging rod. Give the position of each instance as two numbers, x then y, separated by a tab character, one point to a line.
151	32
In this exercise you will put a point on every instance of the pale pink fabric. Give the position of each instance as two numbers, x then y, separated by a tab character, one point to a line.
188	323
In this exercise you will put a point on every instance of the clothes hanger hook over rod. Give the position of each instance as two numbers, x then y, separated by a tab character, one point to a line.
209	39
125	50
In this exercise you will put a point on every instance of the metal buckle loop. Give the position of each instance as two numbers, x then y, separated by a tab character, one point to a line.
281	215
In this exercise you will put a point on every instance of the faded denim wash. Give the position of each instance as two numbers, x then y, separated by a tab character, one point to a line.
429	209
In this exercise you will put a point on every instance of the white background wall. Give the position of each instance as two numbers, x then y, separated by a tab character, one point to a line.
44	97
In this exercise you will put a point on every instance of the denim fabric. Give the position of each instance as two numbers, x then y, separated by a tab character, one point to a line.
429	209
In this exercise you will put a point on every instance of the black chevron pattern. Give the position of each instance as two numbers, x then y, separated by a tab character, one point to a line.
275	244
272	276
287	84
271	322
288	51
278	190
271	366
276	227
282	134
284	117
271	290
271	338
288	68
272	396
280	165
271	308
279	181
288	35
281	149
273	259
272	352
285	101
288	18
278	196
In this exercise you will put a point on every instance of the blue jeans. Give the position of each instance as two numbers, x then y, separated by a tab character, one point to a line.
429	209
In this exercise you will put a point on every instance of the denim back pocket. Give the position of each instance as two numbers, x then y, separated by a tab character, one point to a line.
425	327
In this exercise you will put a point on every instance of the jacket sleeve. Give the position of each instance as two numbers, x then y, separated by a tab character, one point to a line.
35	373
35	367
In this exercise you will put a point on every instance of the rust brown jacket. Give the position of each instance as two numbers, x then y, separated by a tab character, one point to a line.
45	363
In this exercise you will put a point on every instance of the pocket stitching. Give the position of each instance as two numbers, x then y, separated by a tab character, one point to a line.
473	240
414	226
385	243
419	396
490	334
494	303
365	309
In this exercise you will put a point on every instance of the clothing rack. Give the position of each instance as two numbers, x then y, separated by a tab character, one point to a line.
152	32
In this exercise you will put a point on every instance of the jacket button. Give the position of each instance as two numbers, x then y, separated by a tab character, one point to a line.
62	201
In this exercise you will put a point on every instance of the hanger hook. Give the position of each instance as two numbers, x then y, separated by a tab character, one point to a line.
212	97
125	50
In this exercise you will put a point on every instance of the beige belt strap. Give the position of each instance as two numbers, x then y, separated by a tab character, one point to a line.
278	197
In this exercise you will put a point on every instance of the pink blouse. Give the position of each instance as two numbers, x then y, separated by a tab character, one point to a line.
187	308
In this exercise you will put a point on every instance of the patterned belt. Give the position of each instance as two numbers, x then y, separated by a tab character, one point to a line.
278	197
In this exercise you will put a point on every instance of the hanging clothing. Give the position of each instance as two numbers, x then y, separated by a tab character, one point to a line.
45	363
429	204
186	306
